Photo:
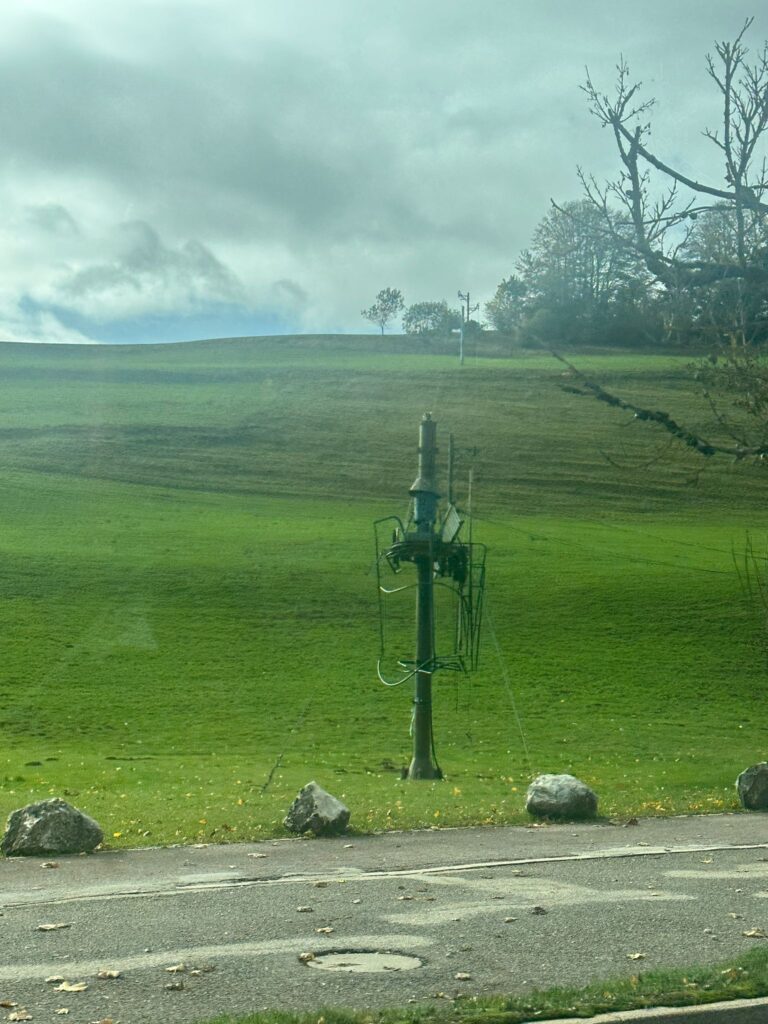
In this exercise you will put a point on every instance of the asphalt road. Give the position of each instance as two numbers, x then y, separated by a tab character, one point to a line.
473	911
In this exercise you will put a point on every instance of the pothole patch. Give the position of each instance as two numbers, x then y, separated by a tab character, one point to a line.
364	962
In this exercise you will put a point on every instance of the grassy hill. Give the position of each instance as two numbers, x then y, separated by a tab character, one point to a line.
189	611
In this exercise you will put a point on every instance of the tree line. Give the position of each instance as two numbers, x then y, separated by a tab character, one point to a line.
582	281
653	255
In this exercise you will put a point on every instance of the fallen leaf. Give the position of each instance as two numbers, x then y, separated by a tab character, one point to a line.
509	920
349	846
62	1011
20	1015
636	956
176	969
106	975
357	901
304	910
737	917
733	973
306	957
71	986
324	931
175	986
406	897
53	927
8	1004
49	864
258	855
755	933
462	976
203	969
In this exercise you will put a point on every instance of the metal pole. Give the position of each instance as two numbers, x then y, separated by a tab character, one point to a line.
425	497
450	469
421	766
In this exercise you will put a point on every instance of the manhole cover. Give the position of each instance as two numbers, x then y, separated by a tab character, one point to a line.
364	962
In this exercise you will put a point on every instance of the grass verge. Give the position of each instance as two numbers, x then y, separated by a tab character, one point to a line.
745	977
189	617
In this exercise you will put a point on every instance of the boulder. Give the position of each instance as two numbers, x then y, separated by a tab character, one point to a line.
752	787
52	826
316	810
560	796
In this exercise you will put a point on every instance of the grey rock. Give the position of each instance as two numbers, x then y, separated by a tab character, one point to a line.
752	787
51	826
316	810
560	796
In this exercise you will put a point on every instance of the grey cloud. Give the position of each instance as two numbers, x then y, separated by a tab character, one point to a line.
143	276
290	293
426	140
52	218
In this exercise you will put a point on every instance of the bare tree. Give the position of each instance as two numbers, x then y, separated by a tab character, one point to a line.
706	246
663	219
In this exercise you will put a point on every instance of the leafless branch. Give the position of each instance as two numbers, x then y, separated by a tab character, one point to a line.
586	387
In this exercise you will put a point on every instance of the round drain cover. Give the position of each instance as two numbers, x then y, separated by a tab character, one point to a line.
356	961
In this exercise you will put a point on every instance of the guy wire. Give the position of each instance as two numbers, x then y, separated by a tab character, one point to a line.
508	685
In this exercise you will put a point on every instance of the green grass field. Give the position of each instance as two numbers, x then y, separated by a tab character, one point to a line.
189	609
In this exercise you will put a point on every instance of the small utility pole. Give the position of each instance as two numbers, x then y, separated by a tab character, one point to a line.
425	495
469	309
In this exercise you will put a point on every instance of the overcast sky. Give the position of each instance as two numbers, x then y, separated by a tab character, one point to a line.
176	170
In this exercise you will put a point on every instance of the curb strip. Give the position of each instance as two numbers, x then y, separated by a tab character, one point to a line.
734	1011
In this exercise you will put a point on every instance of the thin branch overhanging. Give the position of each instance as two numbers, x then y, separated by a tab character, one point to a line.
587	387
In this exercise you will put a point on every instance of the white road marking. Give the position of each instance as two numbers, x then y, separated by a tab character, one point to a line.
739	871
193	955
182	884
519	894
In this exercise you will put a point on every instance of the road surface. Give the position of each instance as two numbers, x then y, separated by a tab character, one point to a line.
186	933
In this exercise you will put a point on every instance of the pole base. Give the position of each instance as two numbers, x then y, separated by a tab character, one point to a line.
423	769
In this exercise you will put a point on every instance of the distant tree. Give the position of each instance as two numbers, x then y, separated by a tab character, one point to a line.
728	306
581	280
506	310
431	318
389	303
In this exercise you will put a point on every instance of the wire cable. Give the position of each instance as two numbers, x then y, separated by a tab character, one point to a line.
508	685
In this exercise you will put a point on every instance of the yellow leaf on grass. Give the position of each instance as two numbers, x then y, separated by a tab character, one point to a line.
71	986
